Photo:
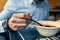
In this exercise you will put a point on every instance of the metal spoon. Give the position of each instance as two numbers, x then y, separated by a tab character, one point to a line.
33	21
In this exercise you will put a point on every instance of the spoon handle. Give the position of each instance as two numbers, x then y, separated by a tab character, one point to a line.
37	22
33	21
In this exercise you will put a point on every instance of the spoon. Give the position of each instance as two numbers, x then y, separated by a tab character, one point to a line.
33	21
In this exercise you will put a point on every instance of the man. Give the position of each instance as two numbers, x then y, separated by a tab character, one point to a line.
16	10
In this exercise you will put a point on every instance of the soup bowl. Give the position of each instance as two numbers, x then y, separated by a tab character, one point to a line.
49	28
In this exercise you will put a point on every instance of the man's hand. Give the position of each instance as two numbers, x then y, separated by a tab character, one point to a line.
17	21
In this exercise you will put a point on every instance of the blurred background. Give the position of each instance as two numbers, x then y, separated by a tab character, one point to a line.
54	8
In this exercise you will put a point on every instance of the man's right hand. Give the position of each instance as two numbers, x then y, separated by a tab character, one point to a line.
16	22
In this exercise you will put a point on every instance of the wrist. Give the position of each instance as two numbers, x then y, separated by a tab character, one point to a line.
5	25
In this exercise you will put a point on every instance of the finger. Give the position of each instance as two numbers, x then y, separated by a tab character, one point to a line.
19	21
30	17
27	15
20	25
18	28
19	15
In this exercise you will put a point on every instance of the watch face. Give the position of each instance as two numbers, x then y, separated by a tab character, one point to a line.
4	24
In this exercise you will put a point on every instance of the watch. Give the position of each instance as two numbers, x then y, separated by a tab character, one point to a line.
4	24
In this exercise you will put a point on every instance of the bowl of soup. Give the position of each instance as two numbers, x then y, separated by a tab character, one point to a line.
49	28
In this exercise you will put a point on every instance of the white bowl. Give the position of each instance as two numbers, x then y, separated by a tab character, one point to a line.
48	31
